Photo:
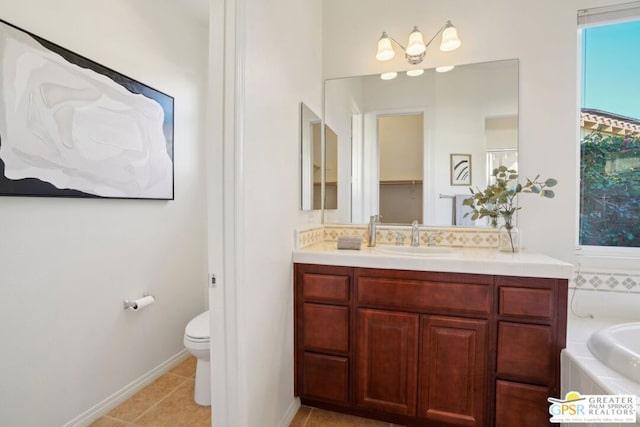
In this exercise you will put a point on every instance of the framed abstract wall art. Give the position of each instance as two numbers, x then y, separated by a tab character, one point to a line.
460	169
70	127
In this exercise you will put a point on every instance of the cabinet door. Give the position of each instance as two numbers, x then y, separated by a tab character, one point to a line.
453	370
387	361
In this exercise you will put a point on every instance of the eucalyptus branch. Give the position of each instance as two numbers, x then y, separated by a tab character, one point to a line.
500	199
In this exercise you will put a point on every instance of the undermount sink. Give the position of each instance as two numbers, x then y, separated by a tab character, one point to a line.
414	250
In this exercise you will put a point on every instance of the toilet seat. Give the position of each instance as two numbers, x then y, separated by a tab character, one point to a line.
197	330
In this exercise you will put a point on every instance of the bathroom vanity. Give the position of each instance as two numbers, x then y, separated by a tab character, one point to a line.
466	338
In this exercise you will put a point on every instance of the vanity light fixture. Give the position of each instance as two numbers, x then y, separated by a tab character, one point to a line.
416	47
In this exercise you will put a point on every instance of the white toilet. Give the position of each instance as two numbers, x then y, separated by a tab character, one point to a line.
196	340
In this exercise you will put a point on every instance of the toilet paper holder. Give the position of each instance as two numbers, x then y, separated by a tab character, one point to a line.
133	304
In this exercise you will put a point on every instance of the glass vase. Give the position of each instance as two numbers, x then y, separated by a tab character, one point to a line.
509	239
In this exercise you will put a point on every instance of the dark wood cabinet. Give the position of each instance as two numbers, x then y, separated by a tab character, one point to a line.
386	366
323	334
428	348
522	405
325	377
453	370
531	326
525	352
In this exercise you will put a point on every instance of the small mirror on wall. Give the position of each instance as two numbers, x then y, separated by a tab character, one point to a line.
311	159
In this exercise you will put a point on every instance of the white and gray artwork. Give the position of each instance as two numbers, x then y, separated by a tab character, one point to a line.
71	127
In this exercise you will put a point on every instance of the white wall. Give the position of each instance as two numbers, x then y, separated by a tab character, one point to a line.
67	264
273	63
541	34
283	58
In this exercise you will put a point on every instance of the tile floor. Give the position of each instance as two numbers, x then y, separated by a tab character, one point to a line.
314	417
168	402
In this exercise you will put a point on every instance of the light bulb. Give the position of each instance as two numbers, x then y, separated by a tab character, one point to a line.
385	50
415	73
388	76
416	43
450	40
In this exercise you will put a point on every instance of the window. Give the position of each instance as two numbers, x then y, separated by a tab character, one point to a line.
610	128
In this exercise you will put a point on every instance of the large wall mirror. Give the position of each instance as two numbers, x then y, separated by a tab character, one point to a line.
410	148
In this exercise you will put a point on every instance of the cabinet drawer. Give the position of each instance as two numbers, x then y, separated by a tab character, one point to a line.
525	352
326	327
526	302
425	295
325	287
326	378
521	405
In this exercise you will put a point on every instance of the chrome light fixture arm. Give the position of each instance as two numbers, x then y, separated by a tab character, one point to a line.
385	35
448	24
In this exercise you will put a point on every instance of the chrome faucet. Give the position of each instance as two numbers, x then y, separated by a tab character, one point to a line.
415	233
373	220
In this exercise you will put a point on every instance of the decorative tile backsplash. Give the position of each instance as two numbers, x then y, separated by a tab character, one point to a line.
606	281
389	234
308	236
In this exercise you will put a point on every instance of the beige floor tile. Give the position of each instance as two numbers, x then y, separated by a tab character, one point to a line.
321	418
108	422
186	368
301	417
147	397
177	410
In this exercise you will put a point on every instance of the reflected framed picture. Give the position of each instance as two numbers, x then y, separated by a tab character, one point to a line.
70	127
460	169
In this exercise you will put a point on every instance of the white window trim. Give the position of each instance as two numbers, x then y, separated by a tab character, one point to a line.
609	14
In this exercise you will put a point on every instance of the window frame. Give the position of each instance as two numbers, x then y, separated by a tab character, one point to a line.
606	15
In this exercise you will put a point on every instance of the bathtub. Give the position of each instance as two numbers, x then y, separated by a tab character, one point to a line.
618	347
599	359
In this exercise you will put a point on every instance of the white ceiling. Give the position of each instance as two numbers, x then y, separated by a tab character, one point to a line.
199	9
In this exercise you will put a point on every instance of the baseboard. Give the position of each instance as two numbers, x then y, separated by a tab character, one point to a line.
292	410
126	392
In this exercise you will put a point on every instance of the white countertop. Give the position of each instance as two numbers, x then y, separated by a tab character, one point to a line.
459	260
